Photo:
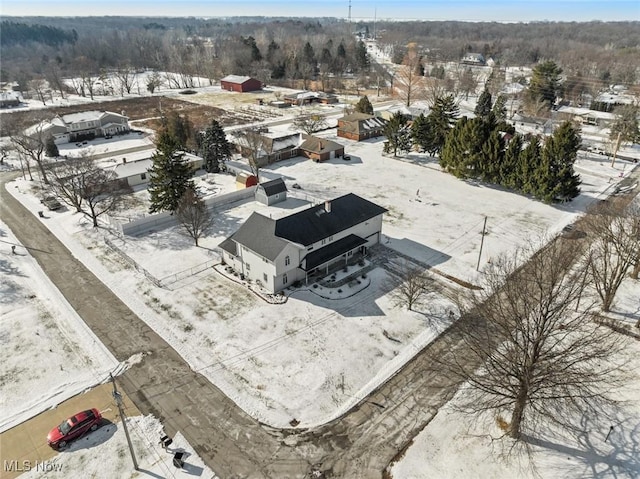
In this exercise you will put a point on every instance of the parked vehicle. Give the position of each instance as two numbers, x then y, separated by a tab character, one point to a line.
74	427
51	202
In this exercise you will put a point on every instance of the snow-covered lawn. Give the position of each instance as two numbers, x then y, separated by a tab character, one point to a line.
454	445
86	457
285	362
49	354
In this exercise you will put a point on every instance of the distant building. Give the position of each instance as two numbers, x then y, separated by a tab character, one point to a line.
277	253
309	97
360	126
473	59
240	84
9	99
82	126
133	168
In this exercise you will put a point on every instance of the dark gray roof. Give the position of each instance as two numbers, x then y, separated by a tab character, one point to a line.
332	250
273	187
258	235
313	224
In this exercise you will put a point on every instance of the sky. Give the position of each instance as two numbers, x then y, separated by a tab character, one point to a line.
466	10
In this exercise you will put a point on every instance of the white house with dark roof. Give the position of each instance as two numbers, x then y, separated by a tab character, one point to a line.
82	126
277	253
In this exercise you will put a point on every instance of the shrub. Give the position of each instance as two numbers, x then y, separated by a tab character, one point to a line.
502	424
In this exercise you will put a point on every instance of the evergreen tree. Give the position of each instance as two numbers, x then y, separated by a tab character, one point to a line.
500	108
213	147
509	176
492	157
462	153
364	106
420	132
529	161
180	128
558	156
398	134
483	107
361	56
441	119
545	82
50	147
170	175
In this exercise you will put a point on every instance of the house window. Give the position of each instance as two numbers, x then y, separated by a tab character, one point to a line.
143	176
277	195
264	276
287	261
330	238
248	266
284	279
324	241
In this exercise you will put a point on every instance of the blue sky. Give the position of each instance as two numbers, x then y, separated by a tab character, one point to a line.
467	10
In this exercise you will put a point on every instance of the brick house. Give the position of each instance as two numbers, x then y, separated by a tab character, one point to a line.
360	126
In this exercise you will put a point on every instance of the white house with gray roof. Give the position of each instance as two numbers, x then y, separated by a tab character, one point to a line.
277	253
82	126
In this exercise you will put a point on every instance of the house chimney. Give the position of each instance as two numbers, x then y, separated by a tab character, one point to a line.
327	206
124	160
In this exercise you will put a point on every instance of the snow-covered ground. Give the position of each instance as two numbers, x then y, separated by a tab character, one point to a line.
49	354
453	445
89	453
285	362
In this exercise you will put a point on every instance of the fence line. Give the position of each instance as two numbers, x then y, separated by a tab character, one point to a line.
128	259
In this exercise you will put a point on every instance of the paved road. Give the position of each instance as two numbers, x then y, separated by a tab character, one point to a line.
357	445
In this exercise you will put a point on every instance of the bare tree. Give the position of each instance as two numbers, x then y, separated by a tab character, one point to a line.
126	77
613	228
31	145
408	81
83	185
524	349
39	86
252	147
409	284
309	123
193	215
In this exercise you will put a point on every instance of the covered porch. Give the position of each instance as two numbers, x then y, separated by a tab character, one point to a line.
333	257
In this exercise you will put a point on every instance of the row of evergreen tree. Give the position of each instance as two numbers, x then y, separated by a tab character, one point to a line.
488	149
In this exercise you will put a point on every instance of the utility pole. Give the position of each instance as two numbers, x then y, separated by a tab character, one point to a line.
349	17
615	151
118	397
484	232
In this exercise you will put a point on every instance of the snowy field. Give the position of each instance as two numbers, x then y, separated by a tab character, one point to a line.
299	368
49	354
110	442
453	445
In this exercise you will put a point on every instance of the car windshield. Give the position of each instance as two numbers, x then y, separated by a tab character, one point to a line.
64	427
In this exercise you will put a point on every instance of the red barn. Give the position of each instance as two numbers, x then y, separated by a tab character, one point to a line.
240	84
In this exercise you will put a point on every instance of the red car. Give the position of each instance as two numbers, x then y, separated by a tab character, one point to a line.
74	427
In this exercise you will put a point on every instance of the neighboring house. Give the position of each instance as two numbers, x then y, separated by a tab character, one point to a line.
320	149
473	59
134	167
271	192
81	126
272	148
9	99
585	116
240	84
360	126
282	147
277	253
308	97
